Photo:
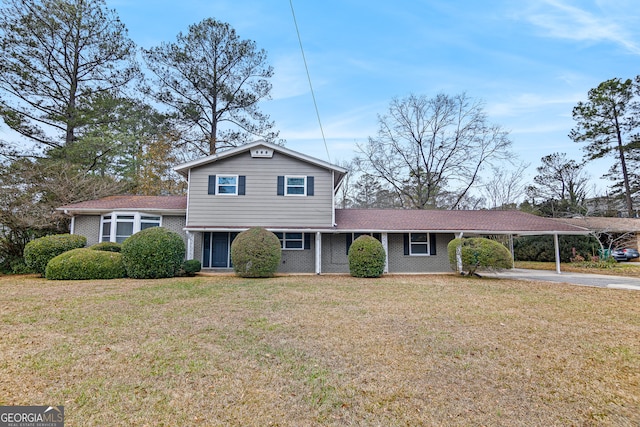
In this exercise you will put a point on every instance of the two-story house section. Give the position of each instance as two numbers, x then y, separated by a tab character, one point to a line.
265	185
292	195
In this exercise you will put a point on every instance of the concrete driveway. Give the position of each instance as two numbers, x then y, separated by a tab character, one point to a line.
581	279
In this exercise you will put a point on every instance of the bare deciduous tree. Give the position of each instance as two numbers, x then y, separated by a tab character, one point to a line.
431	151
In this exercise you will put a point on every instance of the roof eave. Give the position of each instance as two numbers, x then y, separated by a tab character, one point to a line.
100	211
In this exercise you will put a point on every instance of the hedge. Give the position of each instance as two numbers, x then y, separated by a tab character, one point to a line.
85	264
153	253
366	257
38	252
256	253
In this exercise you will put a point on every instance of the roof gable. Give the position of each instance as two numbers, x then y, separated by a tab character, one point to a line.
184	168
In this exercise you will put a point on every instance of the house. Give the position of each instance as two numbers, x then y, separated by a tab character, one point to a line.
293	195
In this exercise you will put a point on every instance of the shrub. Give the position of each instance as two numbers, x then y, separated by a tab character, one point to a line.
38	252
153	253
366	257
256	253
191	267
85	264
107	247
541	248
479	253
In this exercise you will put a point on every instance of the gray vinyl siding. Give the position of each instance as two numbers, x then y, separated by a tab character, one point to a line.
260	206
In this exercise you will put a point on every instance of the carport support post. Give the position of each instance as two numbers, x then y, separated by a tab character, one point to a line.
557	248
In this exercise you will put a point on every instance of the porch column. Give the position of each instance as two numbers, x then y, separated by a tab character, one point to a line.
190	244
318	252
459	255
385	245
557	250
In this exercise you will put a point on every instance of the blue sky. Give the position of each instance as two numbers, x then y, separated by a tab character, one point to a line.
530	61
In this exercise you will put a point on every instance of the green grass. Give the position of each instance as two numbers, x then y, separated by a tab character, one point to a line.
321	350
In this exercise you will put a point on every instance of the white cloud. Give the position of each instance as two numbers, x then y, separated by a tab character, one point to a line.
561	19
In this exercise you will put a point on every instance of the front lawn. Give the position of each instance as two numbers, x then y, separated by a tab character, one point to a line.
321	350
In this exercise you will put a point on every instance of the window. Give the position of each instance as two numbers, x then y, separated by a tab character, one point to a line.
227	185
124	227
295	186
149	221
419	244
294	241
230	185
116	227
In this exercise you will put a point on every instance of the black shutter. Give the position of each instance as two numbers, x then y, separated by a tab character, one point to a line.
406	244
242	185
432	243
212	184
310	186
349	241
281	186
307	240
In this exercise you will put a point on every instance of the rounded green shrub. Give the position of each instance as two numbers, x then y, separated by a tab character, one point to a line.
153	253
366	257
85	264
107	247
191	267
478	253
256	253
38	252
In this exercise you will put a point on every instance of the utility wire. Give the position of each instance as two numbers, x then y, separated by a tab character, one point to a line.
306	67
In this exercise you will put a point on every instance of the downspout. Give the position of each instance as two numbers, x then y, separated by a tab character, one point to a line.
557	251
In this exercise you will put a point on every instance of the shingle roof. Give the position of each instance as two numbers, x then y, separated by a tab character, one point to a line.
112	203
369	219
616	225
484	221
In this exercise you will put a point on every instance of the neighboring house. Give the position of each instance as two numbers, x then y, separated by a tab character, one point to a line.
293	195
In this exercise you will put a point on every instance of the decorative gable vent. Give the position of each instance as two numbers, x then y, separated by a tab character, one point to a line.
262	152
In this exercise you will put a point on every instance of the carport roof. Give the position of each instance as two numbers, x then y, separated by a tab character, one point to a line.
467	221
596	223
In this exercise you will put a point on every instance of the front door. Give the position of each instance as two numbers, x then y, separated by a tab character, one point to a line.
215	249
220	250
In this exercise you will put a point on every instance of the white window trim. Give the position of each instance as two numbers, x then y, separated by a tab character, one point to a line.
137	220
427	244
237	178
284	240
286	186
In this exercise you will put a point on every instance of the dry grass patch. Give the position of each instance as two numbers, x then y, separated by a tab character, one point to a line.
321	350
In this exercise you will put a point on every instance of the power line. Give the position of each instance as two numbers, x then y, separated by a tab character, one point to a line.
306	67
